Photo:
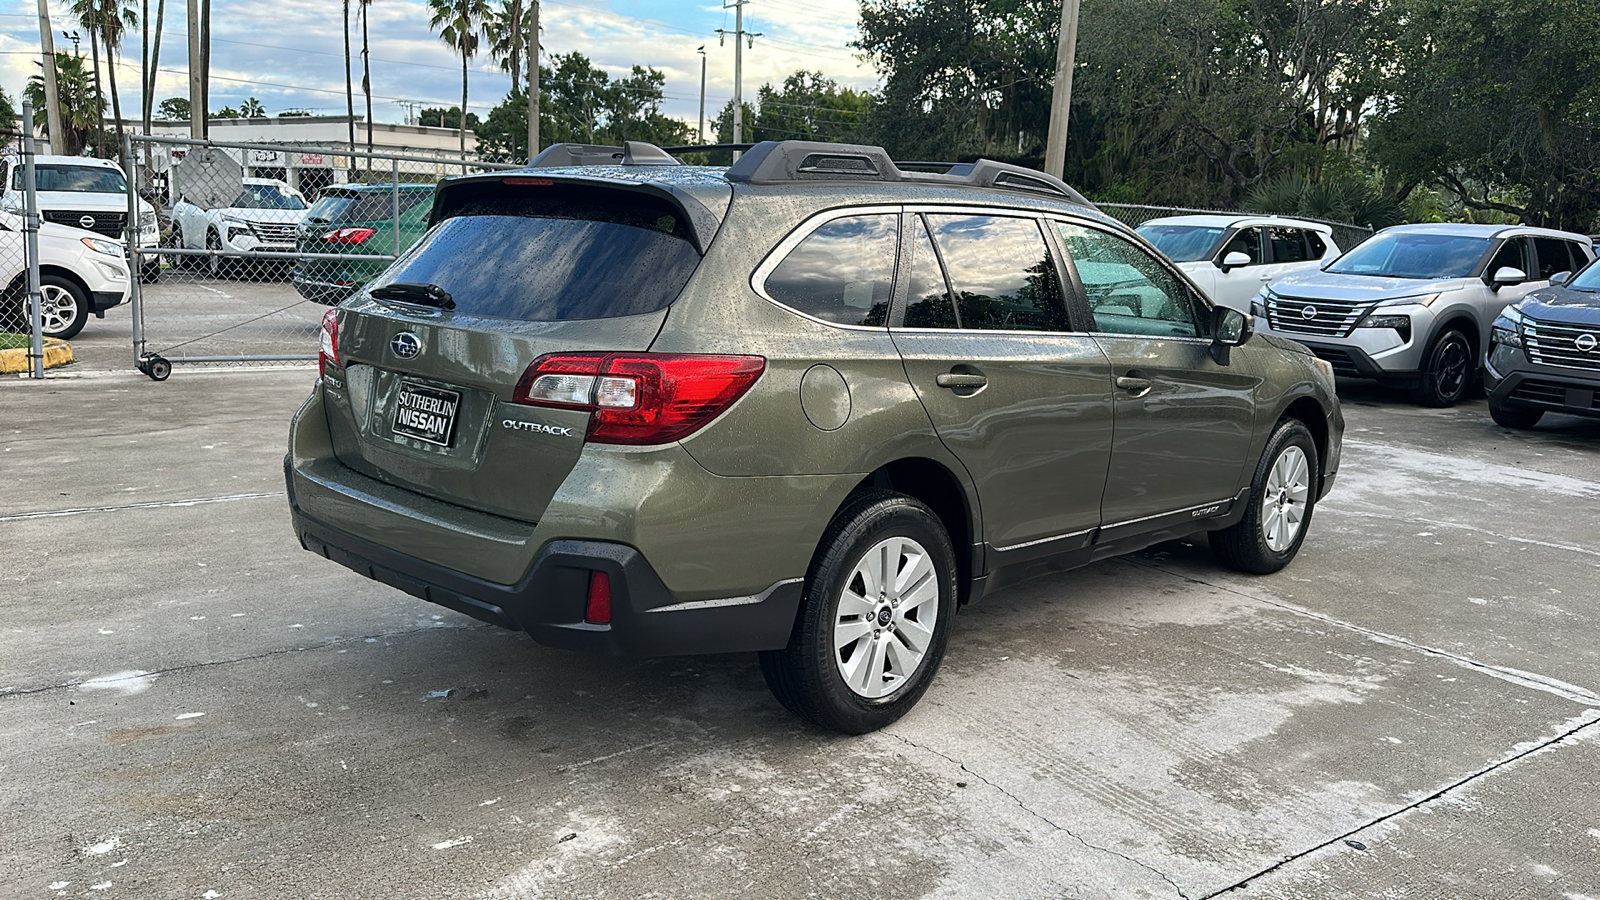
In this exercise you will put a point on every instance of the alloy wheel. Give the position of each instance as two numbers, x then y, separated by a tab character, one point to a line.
887	618
1283	503
59	311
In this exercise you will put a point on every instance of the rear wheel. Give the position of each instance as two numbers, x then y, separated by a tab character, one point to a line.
1514	416
1283	494
1446	371
874	619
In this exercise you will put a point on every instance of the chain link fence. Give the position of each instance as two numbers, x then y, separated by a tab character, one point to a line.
37	298
1133	215
241	248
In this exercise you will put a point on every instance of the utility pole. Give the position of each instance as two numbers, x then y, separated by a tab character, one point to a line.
52	99
1055	150
197	99
740	38
702	52
533	82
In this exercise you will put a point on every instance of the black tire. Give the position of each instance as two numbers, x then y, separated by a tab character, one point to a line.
1447	370
178	261
216	266
805	676
157	368
66	307
1246	546
1519	417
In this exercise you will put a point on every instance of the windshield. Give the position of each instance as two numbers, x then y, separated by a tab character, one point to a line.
1183	243
267	196
1587	279
73	179
1411	254
554	255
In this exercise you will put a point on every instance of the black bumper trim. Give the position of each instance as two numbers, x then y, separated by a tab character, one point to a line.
1353	362
548	602
100	301
1538	390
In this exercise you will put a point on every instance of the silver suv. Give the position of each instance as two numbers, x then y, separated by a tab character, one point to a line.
1411	306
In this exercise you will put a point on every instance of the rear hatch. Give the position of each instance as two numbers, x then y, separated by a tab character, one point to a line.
530	267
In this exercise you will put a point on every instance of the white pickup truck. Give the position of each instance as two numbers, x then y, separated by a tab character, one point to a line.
83	192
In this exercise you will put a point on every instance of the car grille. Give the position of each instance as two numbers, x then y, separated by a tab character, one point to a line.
1545	393
109	224
275	232
1332	318
1550	344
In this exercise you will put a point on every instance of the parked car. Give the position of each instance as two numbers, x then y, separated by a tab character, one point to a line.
805	406
1544	353
357	220
1411	306
265	217
83	192
81	273
1232	257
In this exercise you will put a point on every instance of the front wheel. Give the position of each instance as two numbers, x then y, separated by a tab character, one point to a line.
874	619
1519	417
1446	371
65	309
1283	494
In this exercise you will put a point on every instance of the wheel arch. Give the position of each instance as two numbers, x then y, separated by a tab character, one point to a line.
944	492
1460	320
1306	410
66	273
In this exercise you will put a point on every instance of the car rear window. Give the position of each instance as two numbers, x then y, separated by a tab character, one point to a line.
554	253
338	207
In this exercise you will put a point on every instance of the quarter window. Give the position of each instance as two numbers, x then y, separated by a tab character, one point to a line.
1001	273
1316	245
1128	291
1288	245
1553	257
928	300
843	272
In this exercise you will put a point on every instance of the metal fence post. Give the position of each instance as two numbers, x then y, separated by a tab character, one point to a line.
30	228
135	263
394	201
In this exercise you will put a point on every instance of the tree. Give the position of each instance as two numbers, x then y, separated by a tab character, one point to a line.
8	112
151	64
812	108
1497	103
580	102
366	79
80	105
506	30
349	84
173	109
107	22
252	109
459	23
445	118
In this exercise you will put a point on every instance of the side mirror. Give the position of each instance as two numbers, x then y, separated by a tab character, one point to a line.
1508	275
1234	260
1560	278
1229	328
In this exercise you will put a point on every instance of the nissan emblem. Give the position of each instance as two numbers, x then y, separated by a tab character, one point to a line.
1587	342
87	221
1309	312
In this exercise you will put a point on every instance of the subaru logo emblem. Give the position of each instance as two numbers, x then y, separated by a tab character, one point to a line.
405	345
1587	342
1309	312
87	221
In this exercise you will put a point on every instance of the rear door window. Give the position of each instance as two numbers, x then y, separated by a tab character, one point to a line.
843	272
554	253
1001	273
1288	245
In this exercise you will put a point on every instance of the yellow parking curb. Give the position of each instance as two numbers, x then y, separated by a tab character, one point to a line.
56	353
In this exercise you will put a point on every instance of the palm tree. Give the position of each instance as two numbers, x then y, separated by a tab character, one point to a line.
366	81
504	29
349	89
252	109
152	64
108	21
459	23
77	99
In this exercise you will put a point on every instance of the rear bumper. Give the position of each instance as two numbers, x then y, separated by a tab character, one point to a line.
548	602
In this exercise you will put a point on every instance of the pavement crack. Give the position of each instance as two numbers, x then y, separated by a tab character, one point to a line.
149	504
1530	680
1590	721
1040	816
214	663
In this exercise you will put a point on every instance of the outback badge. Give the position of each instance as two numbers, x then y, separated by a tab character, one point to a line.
405	345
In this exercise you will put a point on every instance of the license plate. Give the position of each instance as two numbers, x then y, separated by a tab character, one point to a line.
425	413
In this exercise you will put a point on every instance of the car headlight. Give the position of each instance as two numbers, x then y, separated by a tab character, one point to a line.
1401	324
98	245
1418	300
1507	328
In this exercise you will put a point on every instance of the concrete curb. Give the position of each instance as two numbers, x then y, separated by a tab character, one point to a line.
15	360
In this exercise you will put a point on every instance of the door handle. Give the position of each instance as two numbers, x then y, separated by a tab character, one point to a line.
1138	387
958	380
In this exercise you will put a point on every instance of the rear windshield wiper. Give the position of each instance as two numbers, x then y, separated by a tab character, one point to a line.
414	293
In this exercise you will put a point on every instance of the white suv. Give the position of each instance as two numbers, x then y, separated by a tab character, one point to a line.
1411	306
81	273
82	192
1231	257
265	216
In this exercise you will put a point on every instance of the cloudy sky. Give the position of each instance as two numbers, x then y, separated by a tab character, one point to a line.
290	54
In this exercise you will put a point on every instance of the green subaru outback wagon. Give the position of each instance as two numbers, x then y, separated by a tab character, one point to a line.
807	406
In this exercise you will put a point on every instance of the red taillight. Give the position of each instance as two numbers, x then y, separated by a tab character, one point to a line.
349	235
329	351
597	608
640	398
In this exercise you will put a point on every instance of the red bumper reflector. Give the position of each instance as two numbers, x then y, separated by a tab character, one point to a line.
598	609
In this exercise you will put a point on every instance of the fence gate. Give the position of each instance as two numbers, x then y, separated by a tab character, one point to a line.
28	298
252	243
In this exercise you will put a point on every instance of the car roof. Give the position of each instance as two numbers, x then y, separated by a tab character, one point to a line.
1464	229
385	187
1234	220
59	160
